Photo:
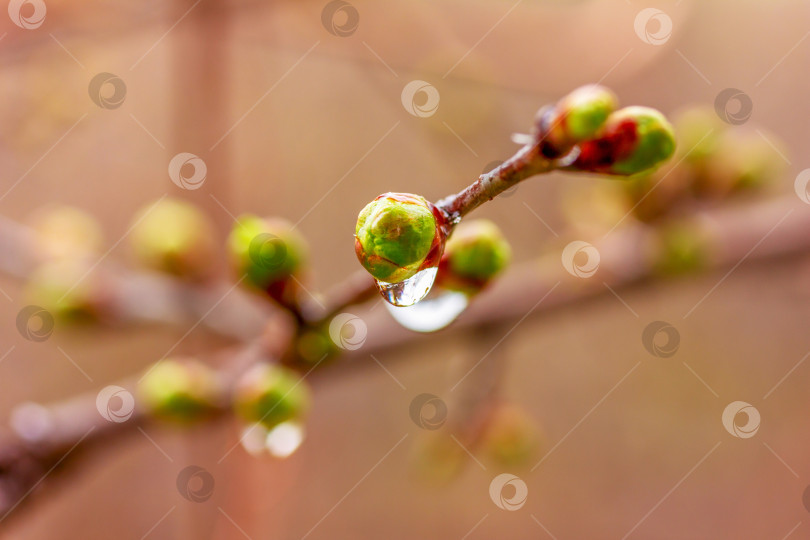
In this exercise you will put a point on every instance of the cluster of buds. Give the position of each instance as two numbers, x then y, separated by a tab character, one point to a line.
179	389
603	140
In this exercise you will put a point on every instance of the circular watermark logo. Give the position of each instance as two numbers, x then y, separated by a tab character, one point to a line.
35	323
27	14
508	492
428	99
267	251
107	90
115	404
801	184
428	411
580	259
195	484
733	106
340	18
181	175
661	339
348	331
732	416
653	26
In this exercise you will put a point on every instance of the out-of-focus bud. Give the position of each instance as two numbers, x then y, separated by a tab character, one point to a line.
64	231
68	289
511	437
699	131
397	235
474	254
268	250
437	459
742	162
270	394
174	236
633	140
314	345
680	247
575	118
181	389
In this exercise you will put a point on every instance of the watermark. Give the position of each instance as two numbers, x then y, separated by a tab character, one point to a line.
801	184
27	14
340	18
580	259
181	176
35	323
267	251
107	90
428	411
115	404
428	99
661	339
348	331
733	106
508	492
195	484
731	417
653	26
806	498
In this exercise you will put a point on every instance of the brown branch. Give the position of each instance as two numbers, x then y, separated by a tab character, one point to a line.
526	163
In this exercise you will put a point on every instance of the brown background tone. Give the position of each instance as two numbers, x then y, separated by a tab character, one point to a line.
298	143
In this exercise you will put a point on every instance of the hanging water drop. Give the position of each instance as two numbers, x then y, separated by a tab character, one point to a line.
252	439
410	291
431	314
284	439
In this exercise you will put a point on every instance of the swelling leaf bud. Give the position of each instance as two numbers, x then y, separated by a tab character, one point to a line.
511	437
632	141
397	235
575	118
268	250
179	389
174	236
69	290
270	394
473	256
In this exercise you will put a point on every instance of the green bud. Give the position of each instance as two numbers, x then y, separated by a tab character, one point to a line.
313	345
270	394
681	247
397	235
437	459
64	231
575	118
68	290
174	236
633	140
179	389
511	437
267	250
473	255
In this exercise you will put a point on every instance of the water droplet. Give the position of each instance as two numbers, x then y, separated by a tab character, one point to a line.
431	314
410	291
252	439
284	439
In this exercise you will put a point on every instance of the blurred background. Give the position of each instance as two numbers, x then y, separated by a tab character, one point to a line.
297	110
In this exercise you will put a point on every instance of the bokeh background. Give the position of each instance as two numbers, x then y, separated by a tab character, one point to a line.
295	121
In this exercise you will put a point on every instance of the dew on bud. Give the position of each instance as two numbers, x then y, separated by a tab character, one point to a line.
409	292
432	314
283	440
253	439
